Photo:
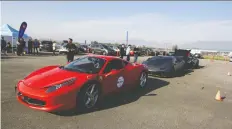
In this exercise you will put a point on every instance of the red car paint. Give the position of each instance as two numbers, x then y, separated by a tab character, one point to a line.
35	84
131	53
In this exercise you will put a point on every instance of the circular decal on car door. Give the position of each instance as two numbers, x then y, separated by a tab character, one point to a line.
120	82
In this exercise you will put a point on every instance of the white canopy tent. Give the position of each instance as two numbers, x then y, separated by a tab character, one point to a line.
11	35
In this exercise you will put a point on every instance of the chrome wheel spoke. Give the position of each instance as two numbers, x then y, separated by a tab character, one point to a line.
143	79
94	93
88	94
92	89
88	101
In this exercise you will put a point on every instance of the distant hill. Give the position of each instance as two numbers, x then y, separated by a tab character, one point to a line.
210	45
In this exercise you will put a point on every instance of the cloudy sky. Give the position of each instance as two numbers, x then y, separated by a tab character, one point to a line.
109	21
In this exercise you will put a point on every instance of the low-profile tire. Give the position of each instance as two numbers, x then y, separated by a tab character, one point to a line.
172	73
196	65
88	97
142	82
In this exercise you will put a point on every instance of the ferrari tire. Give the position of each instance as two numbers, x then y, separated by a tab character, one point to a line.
143	79
88	97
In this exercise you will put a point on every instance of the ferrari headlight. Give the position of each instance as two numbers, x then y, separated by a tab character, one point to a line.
57	86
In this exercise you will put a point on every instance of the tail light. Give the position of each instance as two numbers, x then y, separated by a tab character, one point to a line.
188	54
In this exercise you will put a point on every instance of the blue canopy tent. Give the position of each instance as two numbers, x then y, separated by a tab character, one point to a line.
11	35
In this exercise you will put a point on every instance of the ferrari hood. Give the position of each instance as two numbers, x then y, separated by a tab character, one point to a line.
51	77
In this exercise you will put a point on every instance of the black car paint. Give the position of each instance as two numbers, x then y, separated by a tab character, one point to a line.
190	60
166	65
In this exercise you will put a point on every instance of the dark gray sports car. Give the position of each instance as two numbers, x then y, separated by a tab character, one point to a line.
165	66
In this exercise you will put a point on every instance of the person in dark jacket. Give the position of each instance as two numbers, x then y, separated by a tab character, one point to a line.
30	46
71	50
122	51
3	45
23	46
136	54
20	46
36	46
9	47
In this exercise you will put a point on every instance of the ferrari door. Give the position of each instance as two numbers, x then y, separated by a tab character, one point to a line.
113	77
130	73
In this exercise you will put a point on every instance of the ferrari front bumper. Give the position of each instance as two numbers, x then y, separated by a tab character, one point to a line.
45	102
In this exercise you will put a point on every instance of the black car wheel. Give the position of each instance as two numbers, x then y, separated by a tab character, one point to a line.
196	65
88	97
143	79
172	73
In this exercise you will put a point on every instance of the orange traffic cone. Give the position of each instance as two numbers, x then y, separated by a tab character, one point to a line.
218	96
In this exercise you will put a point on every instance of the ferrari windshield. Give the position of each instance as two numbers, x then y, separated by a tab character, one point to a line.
87	64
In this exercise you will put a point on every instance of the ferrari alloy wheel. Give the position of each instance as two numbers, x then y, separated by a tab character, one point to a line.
143	80
91	96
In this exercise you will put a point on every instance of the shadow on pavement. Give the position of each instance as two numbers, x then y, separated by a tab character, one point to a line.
123	98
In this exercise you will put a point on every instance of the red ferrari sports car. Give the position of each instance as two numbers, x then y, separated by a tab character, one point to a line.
80	83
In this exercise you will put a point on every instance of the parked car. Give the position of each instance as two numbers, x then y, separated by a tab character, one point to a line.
84	48
190	60
102	49
197	55
149	52
165	66
230	56
63	50
46	46
79	84
171	53
115	48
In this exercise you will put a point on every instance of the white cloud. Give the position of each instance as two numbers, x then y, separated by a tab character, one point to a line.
149	27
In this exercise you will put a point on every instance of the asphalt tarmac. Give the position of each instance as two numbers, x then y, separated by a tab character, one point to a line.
183	102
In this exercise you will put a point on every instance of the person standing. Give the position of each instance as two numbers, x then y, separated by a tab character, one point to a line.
36	46
71	50
30	46
122	51
23	46
3	45
128	53
54	48
9	47
136	53
20	46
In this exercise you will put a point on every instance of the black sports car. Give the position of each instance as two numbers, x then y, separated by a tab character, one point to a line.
190	60
165	66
